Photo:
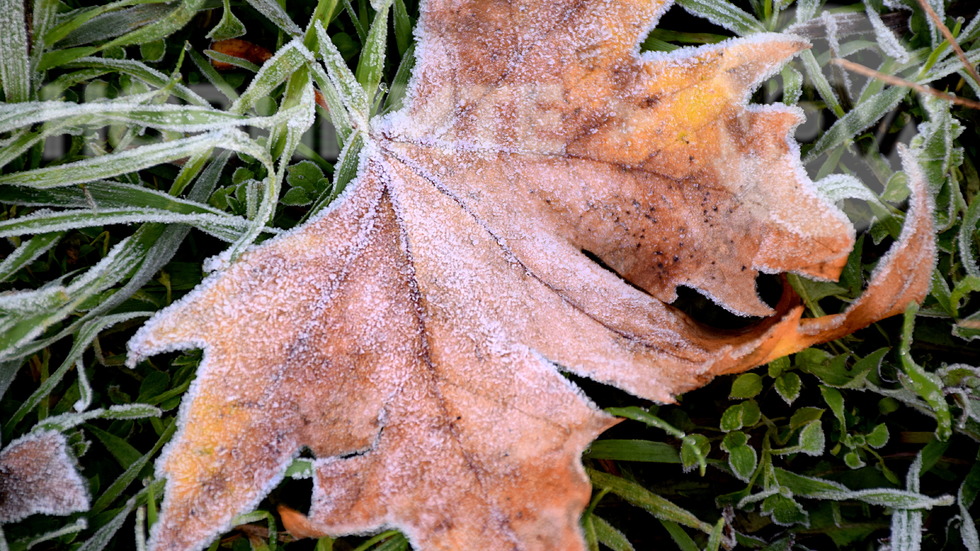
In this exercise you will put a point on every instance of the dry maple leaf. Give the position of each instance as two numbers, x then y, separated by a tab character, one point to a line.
412	336
38	476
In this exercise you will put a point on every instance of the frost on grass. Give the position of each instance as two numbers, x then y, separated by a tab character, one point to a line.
411	336
38	476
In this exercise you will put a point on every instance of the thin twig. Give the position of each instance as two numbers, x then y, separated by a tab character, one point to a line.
949	38
896	81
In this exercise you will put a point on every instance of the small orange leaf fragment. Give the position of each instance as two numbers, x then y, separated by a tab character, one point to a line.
412	337
243	49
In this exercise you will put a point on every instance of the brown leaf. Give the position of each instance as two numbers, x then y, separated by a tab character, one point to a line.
242	49
412	337
38	476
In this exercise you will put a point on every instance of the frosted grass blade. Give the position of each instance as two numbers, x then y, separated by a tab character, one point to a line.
226	227
274	12
371	63
610	536
178	118
162	27
28	252
132	160
114	23
652	503
724	14
403	27
80	18
351	93
861	117
213	76
15	65
273	72
43	17
335	106
82	341
67	421
823	87
103	195
142	72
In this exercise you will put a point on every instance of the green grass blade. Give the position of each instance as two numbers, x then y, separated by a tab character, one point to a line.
351	93
131	160
371	63
633	450
142	72
609	536
81	343
862	116
27	252
131	112
967	236
724	14
239	62
81	17
224	226
274	12
213	76
162	27
43	17
274	72
114	24
926	385
15	65
652	503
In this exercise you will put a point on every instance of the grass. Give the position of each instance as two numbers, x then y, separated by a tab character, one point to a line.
857	443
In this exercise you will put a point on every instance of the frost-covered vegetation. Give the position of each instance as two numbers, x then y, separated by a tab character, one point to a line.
127	160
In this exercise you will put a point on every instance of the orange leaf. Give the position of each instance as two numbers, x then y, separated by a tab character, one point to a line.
243	49
412	336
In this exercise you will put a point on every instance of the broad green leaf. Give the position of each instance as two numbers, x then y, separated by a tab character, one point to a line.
746	385
228	27
784	510
788	386
742	458
694	452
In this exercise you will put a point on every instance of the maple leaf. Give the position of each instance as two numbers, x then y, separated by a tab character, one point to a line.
412	336
38	476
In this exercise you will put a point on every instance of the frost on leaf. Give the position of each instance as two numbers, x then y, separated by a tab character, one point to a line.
38	476
412	337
